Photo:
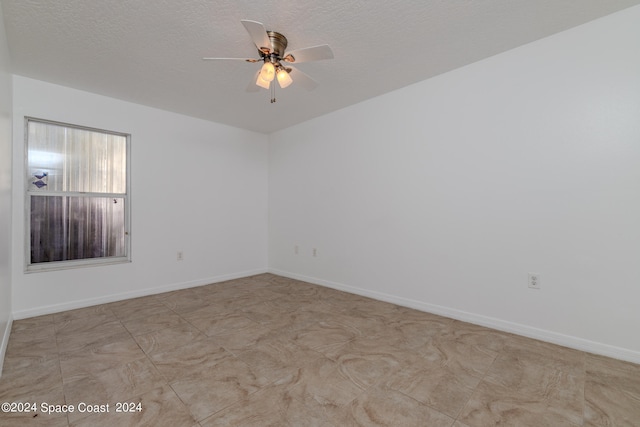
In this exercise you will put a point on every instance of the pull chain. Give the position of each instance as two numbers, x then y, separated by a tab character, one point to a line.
273	93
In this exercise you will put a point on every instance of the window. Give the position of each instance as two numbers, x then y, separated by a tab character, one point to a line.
77	196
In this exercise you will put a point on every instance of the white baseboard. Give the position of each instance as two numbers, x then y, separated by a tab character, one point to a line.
5	341
490	322
57	308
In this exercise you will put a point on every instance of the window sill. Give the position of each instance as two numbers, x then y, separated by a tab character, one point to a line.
67	265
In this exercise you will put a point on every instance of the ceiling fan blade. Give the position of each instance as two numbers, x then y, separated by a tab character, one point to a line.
302	79
231	59
308	54
258	35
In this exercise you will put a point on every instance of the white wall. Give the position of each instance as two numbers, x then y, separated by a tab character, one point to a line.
197	186
445	194
5	192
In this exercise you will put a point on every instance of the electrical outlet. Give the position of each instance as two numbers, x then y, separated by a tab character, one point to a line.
534	280
180	256
315	252
296	250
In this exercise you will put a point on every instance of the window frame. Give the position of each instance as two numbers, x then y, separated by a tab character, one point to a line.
30	267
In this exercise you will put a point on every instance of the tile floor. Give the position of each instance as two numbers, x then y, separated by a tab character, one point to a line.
271	351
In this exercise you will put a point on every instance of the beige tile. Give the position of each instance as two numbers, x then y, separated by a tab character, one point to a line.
530	378
287	353
117	384
238	302
245	336
33	419
416	329
166	339
31	322
321	386
531	387
368	361
98	324
370	307
322	310
277	359
480	336
445	388
184	301
619	373
560	393
16	363
145	325
286	323
269	406
86	341
84	313
385	407
189	359
472	359
35	383
493	405
37	343
258	413
612	392
324	336
374	326
99	358
607	405
159	408
287	302
264	293
213	322
34	332
219	291
226	297
545	354
265	312
138	307
217	387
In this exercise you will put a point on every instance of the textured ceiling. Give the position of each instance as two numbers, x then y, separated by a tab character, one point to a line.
149	51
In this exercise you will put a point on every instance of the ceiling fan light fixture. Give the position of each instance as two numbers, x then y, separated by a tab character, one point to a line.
272	51
268	71
262	82
284	79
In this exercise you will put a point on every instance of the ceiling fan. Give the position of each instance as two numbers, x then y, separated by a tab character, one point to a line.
272	47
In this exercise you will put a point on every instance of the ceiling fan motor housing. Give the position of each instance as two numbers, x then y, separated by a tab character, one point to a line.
278	43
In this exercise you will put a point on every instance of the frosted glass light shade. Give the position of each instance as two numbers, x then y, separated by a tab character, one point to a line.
268	71
284	79
261	82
